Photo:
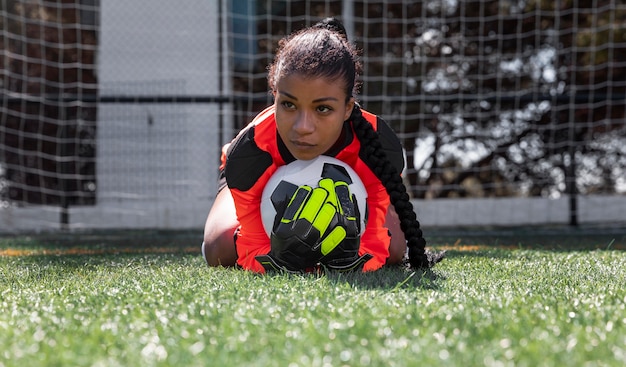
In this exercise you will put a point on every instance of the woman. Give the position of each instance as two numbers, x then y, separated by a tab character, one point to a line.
313	81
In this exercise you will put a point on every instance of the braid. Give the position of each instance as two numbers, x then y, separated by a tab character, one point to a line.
377	161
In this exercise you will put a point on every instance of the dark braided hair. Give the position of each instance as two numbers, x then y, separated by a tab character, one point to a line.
377	161
324	51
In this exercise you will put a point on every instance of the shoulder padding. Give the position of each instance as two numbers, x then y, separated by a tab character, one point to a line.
245	162
391	145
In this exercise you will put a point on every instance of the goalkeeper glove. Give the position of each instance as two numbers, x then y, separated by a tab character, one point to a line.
317	225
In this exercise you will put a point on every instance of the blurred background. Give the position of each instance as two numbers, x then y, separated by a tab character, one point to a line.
113	113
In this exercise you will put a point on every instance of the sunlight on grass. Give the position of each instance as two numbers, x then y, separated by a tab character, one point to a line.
492	307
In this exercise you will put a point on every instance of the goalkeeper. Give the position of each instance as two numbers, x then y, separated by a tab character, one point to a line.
313	79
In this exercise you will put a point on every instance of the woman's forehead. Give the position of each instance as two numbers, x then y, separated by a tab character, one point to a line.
311	85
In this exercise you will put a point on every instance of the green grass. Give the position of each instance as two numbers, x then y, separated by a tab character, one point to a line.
490	307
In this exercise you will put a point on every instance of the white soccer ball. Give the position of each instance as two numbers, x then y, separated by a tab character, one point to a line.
300	172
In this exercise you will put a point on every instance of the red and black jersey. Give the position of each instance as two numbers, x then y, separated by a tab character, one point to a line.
255	154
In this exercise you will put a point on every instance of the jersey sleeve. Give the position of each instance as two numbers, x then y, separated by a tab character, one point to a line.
376	239
247	170
251	239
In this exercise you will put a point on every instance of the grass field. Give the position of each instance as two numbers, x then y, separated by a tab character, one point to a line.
501	299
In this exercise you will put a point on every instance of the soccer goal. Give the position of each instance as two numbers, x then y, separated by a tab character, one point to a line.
112	113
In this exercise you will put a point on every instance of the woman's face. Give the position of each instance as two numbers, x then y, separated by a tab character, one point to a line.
310	113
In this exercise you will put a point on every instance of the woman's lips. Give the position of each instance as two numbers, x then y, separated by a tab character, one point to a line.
302	144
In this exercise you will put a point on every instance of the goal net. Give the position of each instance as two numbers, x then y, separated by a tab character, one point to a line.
47	154
112	113
511	112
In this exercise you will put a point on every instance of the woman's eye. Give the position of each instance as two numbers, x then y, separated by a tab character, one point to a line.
324	109
288	105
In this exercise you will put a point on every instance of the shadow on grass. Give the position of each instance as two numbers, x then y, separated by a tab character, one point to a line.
390	278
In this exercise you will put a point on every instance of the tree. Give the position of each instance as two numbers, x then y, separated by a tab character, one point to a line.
505	97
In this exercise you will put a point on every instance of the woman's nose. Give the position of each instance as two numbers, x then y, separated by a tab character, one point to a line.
304	123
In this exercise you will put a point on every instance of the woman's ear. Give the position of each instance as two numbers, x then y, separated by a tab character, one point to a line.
349	108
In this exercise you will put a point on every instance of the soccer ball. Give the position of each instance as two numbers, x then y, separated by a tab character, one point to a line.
284	182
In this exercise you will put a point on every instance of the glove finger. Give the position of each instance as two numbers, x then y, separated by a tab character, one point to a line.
333	239
346	204
329	185
349	209
282	195
296	204
303	223
325	218
313	205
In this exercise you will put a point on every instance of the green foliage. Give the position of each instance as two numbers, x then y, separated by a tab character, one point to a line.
490	307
